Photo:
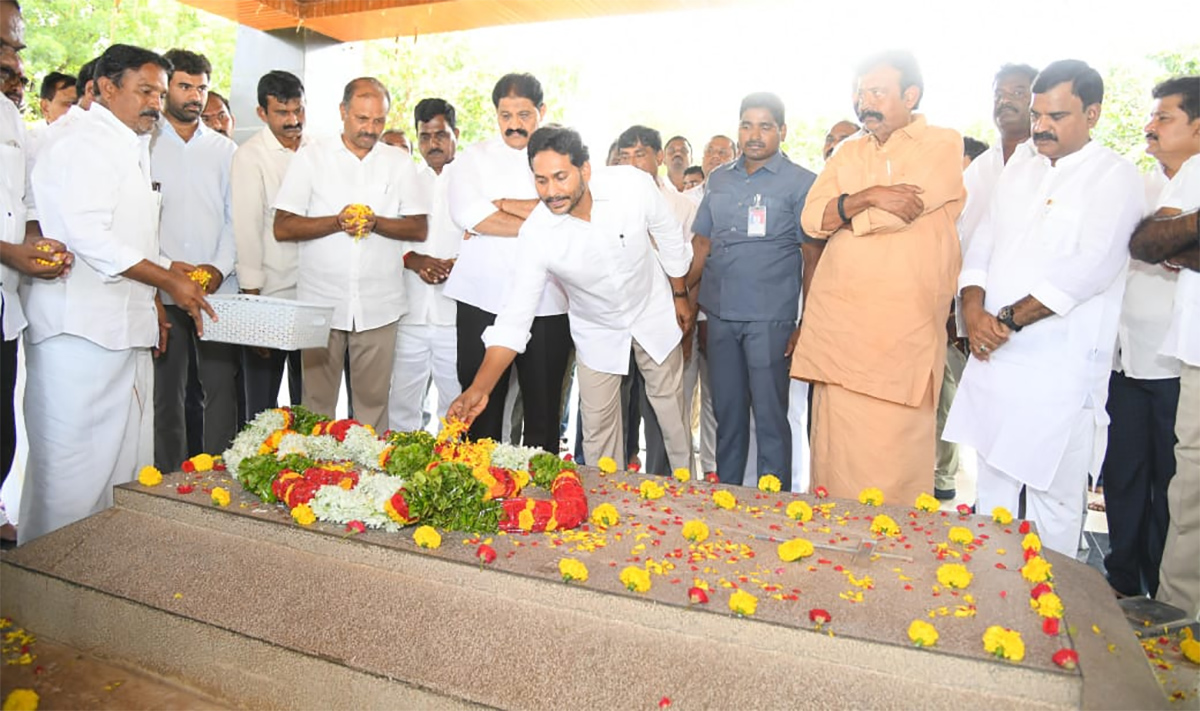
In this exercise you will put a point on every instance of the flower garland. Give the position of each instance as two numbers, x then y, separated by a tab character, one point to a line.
341	471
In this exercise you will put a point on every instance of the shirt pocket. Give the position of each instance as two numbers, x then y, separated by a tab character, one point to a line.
1060	232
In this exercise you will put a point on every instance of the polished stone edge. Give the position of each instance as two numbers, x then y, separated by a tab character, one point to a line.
218	662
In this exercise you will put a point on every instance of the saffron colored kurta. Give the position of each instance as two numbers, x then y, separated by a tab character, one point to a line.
873	337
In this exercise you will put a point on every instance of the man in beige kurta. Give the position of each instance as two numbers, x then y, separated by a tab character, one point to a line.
883	266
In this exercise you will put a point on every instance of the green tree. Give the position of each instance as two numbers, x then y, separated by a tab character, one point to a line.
64	34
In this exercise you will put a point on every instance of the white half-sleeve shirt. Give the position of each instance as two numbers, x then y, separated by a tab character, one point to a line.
428	304
616	284
360	278
1183	338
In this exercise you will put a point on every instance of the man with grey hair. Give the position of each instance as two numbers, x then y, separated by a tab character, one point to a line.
351	257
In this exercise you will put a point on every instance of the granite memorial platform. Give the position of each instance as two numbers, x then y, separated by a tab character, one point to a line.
243	604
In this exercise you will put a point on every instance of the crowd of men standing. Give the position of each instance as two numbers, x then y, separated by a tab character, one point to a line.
924	307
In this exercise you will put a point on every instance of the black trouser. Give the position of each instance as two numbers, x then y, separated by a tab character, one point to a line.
8	414
262	375
540	371
1138	464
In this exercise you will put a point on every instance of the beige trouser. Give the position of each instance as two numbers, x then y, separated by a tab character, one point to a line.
371	356
600	408
1179	574
947	452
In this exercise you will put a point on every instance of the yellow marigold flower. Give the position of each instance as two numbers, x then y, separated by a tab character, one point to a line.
954	575
608	465
885	525
695	531
769	483
635	579
683	475
303	514
871	497
1002	516
203	462
743	603
220	496
21	700
1004	643
1031	542
922	633
149	476
651	490
427	537
525	520
724	499
605	515
520	478
1036	570
799	511
572	570
962	535
1189	646
1047	605
925	502
795	549
200	276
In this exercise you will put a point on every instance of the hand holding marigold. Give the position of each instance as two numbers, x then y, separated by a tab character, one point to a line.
357	220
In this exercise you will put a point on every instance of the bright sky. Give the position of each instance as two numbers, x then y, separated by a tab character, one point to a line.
687	71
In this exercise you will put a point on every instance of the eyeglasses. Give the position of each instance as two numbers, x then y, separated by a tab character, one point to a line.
7	75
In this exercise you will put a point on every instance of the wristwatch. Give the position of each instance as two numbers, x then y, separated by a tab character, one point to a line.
1006	317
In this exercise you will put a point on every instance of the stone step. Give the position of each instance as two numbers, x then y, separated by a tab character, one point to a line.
245	606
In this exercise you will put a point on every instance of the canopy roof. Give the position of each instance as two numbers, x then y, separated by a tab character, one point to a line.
349	20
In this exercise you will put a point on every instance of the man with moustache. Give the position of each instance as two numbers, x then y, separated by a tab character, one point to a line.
266	266
427	340
490	197
873	333
1042	283
678	152
91	427
345	264
1143	389
217	115
191	165
1169	237
748	243
606	216
839	132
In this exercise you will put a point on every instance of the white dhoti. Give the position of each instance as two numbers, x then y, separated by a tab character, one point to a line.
89	412
422	352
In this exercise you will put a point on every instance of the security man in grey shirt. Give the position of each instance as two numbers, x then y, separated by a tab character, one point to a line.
749	275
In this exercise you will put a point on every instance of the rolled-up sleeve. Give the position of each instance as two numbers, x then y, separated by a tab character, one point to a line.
511	328
414	198
295	193
978	256
674	252
1103	247
468	204
824	189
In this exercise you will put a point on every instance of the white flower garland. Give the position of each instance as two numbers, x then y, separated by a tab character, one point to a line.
362	503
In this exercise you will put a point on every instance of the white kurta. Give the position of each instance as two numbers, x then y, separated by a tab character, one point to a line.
1061	234
483	275
90	427
1183	338
13	192
428	303
617	290
980	180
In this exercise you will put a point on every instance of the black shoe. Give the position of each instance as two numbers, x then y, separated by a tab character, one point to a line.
944	494
7	544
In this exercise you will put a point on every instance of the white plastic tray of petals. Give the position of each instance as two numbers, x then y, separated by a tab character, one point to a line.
268	322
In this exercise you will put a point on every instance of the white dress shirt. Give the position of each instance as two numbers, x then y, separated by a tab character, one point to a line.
95	191
196	225
980	180
1183	338
360	278
263	262
1146	309
682	206
617	290
428	305
13	209
1061	234
483	275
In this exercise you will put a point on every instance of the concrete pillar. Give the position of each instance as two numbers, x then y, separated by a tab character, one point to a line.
322	63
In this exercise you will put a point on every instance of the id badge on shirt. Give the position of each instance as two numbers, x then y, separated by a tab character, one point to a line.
756	220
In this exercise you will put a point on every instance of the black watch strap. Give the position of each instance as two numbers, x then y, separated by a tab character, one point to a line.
1006	317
